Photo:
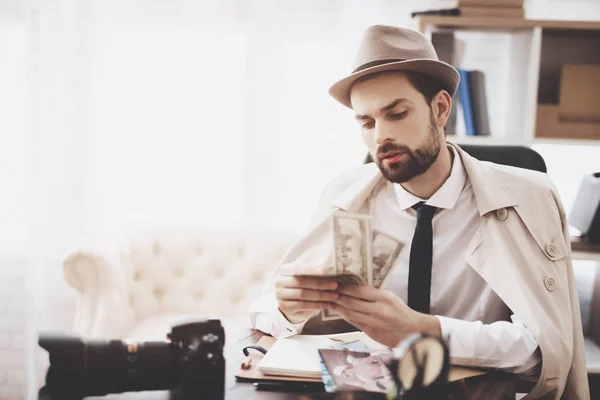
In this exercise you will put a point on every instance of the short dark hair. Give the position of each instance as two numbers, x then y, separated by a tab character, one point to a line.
427	85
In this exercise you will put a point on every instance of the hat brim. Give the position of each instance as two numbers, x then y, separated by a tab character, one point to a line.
440	70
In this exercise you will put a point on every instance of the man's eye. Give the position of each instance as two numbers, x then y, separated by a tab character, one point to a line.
399	115
368	125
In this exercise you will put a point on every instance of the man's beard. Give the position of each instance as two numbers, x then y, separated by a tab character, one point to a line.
416	161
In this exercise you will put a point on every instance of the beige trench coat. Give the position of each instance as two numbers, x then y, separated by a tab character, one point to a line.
522	250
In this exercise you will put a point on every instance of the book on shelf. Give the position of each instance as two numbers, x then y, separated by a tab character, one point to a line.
479	103
478	9
487	3
464	97
473	102
451	125
444	44
493	12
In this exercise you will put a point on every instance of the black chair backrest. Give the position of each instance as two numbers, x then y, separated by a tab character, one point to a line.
515	156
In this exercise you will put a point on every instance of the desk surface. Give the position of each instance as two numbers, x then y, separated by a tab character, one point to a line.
234	390
479	387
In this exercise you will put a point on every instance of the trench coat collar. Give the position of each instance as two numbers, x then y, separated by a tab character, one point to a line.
488	187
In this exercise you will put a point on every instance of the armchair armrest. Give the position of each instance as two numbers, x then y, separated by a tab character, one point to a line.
103	308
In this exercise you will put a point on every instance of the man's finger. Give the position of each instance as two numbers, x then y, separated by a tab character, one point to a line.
355	317
306	294
291	306
305	282
355	304
363	292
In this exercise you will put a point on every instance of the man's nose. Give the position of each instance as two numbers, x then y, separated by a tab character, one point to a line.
383	133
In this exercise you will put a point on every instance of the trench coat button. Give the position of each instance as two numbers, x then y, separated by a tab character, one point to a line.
551	250
502	214
550	284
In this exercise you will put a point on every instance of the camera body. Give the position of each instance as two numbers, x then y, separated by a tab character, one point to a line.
190	362
201	361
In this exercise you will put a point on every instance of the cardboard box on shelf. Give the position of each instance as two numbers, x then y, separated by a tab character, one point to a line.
579	93
549	126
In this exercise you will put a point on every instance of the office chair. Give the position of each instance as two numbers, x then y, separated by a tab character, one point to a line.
515	156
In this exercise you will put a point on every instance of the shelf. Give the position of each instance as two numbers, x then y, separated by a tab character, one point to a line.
506	24
581	250
487	140
577	243
492	141
525	111
566	141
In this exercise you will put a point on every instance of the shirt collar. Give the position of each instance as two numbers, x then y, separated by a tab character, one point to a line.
446	196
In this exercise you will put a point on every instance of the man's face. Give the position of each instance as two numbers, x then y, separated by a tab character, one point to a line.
397	125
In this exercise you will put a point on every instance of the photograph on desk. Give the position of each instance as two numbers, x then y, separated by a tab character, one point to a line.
346	370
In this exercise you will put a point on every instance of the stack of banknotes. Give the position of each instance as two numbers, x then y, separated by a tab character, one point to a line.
361	255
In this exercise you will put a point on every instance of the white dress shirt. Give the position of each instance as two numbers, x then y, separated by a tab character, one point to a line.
479	327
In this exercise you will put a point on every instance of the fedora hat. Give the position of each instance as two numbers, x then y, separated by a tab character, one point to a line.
390	48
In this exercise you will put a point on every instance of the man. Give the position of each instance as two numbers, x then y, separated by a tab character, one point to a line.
487	263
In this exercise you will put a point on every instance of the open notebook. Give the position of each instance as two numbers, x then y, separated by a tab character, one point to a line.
298	356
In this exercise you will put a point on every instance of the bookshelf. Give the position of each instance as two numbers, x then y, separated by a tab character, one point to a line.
532	61
425	21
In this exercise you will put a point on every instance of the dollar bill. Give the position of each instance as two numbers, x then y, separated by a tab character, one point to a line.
360	255
352	247
384	251
352	260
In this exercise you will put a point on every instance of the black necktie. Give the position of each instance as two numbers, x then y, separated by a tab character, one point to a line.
419	273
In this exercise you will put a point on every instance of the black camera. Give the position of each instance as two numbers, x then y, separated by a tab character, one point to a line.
189	362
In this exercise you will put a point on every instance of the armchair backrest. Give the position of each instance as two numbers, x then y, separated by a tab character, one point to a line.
218	271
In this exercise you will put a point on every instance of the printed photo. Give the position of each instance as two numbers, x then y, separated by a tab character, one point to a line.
355	371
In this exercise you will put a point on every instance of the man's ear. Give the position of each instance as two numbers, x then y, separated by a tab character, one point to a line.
441	105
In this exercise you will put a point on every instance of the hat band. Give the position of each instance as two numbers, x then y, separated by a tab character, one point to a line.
376	63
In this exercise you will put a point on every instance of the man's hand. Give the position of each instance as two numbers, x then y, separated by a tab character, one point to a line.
299	296
383	316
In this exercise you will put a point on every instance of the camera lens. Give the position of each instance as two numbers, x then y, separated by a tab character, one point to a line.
190	364
98	367
115	366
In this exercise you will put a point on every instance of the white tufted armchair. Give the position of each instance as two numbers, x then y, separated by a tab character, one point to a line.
139	288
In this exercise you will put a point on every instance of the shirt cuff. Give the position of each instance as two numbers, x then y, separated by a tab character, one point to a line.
281	327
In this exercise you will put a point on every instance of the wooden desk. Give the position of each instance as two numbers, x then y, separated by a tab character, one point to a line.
245	391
